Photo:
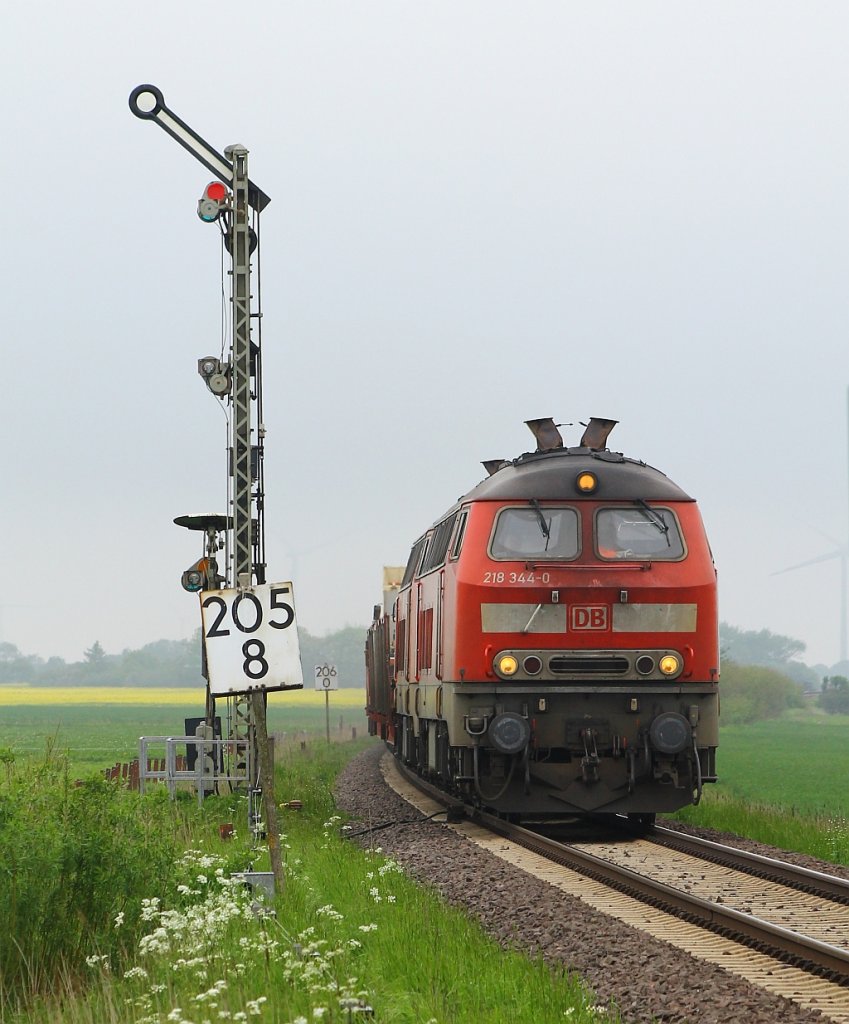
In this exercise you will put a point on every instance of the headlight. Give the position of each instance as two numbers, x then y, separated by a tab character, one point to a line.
506	665
670	664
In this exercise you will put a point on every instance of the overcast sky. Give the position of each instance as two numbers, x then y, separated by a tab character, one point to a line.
481	212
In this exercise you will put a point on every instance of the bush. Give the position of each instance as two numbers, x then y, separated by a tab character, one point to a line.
73	857
752	692
835	695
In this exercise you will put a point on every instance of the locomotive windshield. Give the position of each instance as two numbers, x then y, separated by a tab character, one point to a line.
641	532
536	532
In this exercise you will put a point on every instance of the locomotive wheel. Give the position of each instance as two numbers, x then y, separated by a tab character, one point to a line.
420	743
443	754
642	821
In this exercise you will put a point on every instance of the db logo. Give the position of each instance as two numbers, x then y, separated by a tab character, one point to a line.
588	616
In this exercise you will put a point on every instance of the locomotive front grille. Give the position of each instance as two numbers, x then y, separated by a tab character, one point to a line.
582	665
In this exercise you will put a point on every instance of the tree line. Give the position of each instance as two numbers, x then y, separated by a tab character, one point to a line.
173	663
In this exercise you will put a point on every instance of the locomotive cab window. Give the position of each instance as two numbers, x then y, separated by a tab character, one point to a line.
461	531
435	555
413	563
535	532
641	532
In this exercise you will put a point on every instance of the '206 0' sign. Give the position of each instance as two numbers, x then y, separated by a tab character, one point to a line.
251	639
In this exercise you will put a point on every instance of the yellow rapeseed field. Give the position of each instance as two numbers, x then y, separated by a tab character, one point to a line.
11	694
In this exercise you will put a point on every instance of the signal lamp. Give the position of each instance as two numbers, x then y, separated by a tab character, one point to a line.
195	577
670	665
532	665
506	665
211	202
587	482
216	375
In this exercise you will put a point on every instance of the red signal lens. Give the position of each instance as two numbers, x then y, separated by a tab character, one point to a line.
216	191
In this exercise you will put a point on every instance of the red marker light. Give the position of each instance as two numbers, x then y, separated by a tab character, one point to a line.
209	206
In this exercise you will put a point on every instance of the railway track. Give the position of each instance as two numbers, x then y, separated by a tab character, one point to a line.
782	927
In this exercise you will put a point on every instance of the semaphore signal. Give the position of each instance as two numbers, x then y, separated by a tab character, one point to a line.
250	639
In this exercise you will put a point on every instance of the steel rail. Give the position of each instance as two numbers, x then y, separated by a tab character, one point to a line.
781	943
794	876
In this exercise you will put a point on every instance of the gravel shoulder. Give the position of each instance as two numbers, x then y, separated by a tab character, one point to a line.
647	979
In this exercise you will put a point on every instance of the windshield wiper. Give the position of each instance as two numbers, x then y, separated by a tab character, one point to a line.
656	518
543	525
534	614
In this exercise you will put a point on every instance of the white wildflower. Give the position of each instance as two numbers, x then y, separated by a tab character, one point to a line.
135	972
150	908
329	911
119	919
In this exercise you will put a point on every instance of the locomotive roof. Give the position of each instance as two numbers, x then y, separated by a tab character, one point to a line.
550	475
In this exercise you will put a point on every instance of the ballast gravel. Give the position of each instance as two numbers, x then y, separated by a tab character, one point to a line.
648	980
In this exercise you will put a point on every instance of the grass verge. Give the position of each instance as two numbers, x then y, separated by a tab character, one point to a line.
351	937
819	835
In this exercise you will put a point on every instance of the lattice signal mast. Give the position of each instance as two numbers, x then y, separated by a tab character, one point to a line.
257	649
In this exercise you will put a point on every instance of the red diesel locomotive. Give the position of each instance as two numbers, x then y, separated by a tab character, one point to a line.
551	647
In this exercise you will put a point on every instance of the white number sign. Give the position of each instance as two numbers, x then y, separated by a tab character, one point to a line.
251	639
326	677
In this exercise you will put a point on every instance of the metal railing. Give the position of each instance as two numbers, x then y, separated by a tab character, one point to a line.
211	757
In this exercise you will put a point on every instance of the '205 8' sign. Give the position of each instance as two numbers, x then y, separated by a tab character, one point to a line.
251	639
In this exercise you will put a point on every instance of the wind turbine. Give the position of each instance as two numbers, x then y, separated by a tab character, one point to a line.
840	551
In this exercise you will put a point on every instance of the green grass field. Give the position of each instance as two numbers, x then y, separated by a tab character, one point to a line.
799	763
782	781
96	735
